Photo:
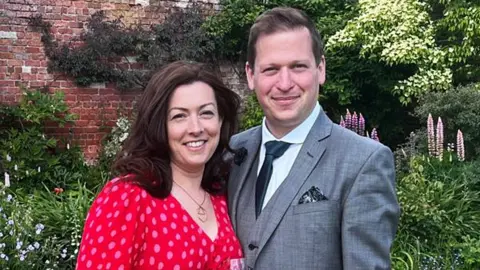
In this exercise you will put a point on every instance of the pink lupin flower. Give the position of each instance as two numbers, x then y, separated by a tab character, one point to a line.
348	120
342	122
361	125
355	122
440	138
375	135
460	146
431	136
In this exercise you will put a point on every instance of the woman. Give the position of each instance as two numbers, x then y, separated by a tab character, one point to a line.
167	209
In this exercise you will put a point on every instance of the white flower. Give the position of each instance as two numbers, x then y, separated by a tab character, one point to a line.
38	169
9	158
36	245
68	146
15	167
9	198
7	180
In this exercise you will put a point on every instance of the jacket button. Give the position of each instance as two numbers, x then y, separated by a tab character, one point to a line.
252	246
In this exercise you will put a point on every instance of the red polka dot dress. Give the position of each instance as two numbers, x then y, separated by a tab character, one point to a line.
126	228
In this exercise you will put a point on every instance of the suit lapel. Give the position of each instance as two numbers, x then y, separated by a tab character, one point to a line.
310	154
240	172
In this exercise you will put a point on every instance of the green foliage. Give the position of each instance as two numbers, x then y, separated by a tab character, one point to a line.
440	207
33	158
437	38
459	109
252	114
179	37
42	230
113	52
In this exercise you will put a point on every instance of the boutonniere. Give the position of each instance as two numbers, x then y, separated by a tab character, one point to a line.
240	155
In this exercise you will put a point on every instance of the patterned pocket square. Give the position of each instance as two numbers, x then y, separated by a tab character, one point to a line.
312	195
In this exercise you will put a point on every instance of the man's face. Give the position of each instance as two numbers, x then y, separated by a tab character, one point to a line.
285	78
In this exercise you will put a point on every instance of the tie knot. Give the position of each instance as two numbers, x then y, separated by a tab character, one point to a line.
276	148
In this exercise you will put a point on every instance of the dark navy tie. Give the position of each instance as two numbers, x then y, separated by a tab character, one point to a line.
274	149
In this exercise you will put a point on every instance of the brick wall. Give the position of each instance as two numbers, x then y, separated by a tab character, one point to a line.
23	61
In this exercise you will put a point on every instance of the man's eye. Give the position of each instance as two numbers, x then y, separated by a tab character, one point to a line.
300	66
269	70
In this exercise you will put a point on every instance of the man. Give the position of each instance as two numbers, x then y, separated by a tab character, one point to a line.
328	200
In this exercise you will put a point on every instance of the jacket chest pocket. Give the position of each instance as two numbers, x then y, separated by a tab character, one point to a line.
320	213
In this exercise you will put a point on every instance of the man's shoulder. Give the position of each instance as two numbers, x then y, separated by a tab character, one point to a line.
352	140
244	135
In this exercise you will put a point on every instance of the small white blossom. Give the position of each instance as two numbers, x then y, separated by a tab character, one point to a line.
7	180
9	158
15	167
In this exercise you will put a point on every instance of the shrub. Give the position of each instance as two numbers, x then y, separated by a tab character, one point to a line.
440	202
42	230
252	113
27	153
459	109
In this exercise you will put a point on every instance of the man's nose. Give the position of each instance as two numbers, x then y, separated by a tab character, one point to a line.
285	82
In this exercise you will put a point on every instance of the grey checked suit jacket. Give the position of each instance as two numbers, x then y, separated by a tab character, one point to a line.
353	229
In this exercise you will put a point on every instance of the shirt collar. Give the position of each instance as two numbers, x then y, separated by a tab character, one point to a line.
298	134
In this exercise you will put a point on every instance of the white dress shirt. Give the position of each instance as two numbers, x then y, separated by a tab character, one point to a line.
283	164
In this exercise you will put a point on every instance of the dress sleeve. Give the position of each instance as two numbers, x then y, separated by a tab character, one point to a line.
112	232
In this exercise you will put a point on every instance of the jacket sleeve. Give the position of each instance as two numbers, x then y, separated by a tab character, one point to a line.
370	215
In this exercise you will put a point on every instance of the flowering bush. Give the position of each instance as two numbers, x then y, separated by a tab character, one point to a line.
20	236
42	230
356	123
116	138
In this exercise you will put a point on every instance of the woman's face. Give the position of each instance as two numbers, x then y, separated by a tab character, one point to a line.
193	125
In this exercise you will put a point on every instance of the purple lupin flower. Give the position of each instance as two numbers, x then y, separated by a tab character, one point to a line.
342	122
460	146
348	120
355	122
361	125
375	135
439	138
431	136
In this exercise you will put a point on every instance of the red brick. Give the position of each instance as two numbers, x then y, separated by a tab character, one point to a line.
12	63
33	50
37	83
32	63
28	77
7	83
6	55
82	123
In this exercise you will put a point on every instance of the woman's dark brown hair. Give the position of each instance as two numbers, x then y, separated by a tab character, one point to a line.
146	152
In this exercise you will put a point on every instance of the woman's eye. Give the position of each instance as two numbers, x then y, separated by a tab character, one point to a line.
207	113
178	116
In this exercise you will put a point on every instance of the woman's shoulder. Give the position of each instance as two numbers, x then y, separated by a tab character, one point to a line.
122	189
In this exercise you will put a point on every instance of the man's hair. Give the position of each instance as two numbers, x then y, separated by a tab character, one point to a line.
145	157
283	19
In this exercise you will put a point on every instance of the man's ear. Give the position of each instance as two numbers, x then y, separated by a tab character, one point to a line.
250	76
321	69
